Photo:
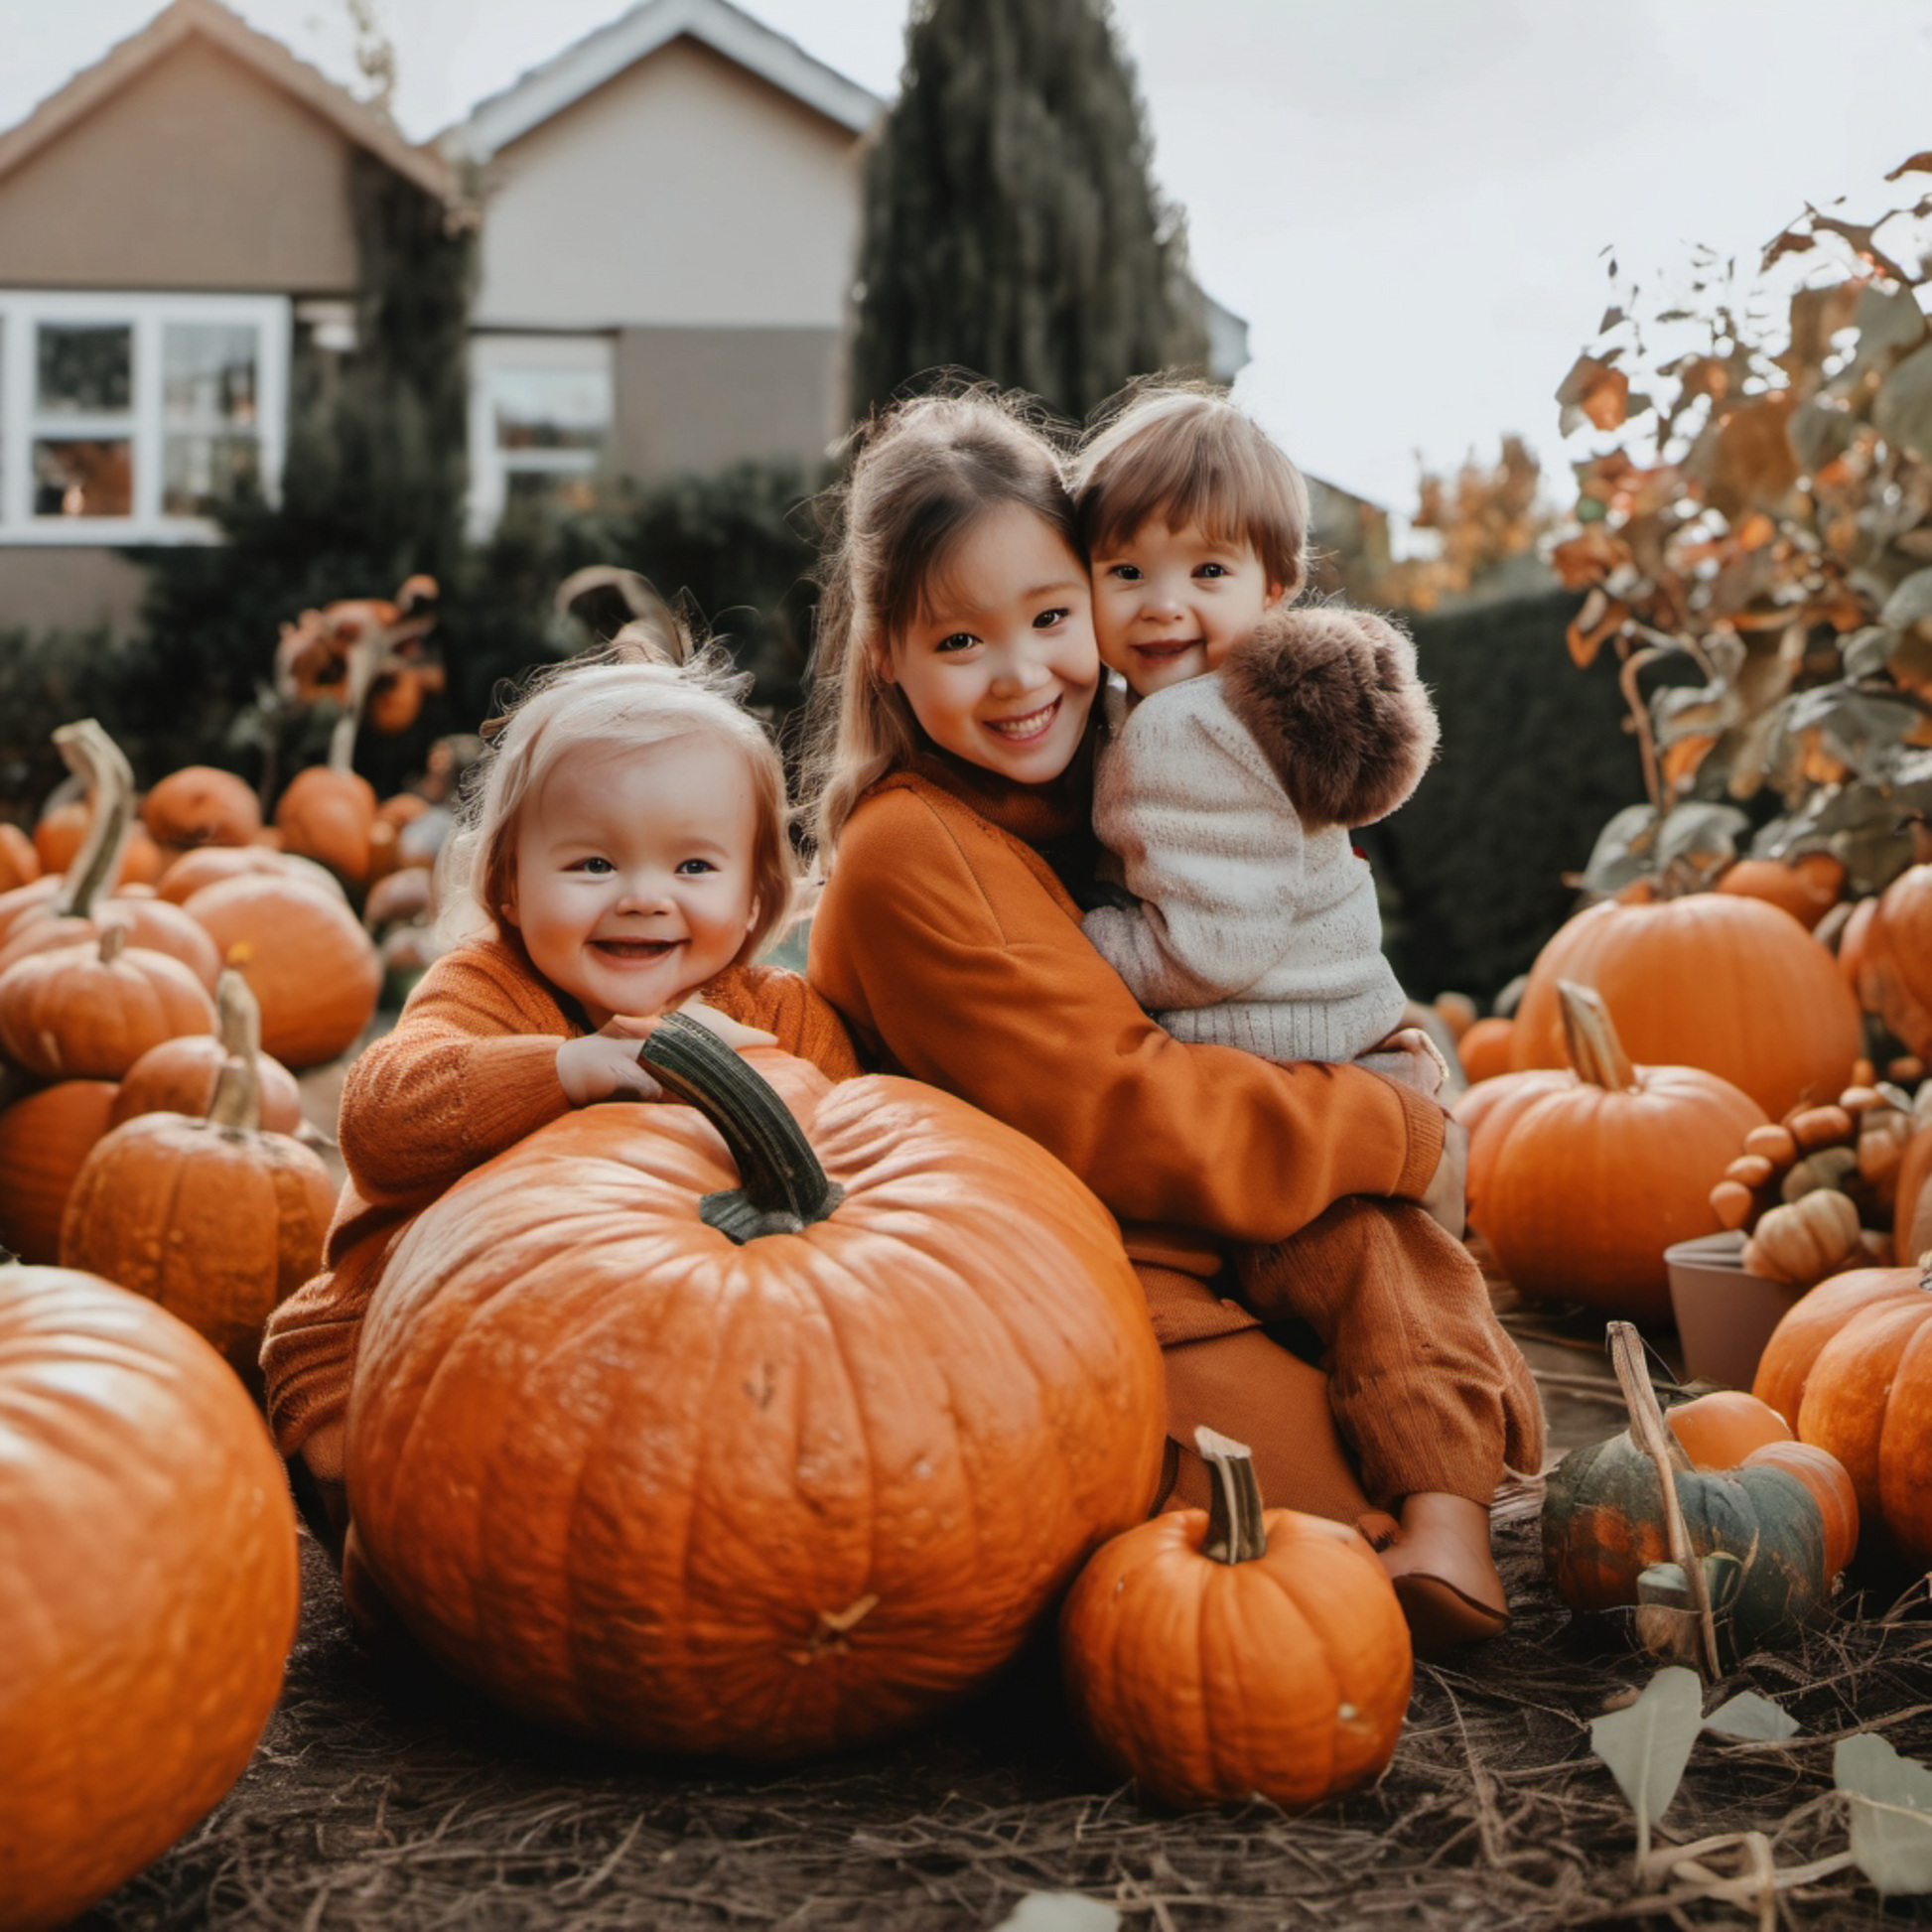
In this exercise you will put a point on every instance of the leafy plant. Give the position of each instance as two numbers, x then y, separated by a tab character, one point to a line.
1754	542
1647	1745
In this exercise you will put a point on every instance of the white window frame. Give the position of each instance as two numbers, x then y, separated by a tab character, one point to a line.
21	311
492	467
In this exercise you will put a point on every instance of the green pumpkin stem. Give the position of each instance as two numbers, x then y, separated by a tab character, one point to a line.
1235	1530
237	1017
782	1188
1589	1038
89	753
1655	1440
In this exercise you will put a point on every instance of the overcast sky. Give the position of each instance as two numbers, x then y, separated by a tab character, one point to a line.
1408	200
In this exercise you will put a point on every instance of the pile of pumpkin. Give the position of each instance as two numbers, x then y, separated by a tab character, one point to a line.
1733	1028
111	1001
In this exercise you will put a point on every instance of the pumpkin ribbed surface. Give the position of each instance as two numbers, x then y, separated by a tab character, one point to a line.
1286	1674
326	815
201	804
1850	1367
179	1075
148	1546
88	1012
43	1138
1894	960
1710	980
215	1223
653	1487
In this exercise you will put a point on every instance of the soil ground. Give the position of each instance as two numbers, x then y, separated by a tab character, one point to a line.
385	1797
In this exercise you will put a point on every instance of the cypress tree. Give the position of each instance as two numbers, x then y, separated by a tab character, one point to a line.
1010	226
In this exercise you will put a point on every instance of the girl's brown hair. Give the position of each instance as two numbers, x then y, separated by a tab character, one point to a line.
1183	452
648	687
922	473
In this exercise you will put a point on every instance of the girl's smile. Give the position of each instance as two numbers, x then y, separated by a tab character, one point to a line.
633	873
1001	666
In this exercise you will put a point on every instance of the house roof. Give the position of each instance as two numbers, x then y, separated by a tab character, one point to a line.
209	19
599	57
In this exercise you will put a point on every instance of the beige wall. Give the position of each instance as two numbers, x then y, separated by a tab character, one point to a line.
697	399
66	586
200	174
685	191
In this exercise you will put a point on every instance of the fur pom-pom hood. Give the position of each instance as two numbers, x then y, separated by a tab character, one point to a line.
1331	696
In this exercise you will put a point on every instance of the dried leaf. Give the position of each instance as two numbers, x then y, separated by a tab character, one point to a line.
1919	164
1903	408
1793	241
1745	460
1754	1718
1910	660
1593	392
1060	1911
1891	1800
1867	653
1622	852
1601	616
1909	602
1701	834
1647	1745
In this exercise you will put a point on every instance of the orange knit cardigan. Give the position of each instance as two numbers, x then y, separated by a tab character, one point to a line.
470	1069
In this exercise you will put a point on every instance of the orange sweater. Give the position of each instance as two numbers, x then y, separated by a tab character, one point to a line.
956	956
470	1069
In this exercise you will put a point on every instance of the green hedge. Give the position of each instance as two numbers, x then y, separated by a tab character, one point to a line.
1533	760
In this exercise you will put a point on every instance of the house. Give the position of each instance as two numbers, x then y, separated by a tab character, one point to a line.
668	210
152	291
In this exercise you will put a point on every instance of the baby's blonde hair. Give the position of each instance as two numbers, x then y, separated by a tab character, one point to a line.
922	474
1183	452
640	692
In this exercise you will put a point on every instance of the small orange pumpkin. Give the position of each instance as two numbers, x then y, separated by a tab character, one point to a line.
179	1075
90	1012
215	1218
1895	962
1486	1049
19	862
1807	888
326	815
1589	1183
1214	1654
200	804
149	1548
209	864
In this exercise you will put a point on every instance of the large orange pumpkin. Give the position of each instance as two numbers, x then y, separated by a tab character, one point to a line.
209	864
1850	1367
1709	980
759	1470
216	1218
314	972
1213	1654
1586	1184
149	1552
1895	962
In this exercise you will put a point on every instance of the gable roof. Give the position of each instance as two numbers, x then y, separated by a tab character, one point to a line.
599	57
183	18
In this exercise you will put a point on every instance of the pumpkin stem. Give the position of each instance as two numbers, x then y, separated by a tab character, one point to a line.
237	1017
236	1103
782	1188
1654	1438
114	942
89	753
364	661
1235	1530
1589	1038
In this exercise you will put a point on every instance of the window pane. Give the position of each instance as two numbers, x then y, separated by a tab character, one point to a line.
202	473
550	409
84	477
208	372
85	369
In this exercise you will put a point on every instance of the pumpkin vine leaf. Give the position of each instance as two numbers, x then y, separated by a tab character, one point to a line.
1647	1745
1891	1800
1751	1720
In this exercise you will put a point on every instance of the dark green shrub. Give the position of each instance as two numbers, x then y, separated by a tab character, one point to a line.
1535	758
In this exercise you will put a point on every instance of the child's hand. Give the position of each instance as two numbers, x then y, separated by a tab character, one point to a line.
1430	1072
734	1034
604	1065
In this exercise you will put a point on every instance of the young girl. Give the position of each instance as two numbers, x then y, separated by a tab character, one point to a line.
957	671
626	853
